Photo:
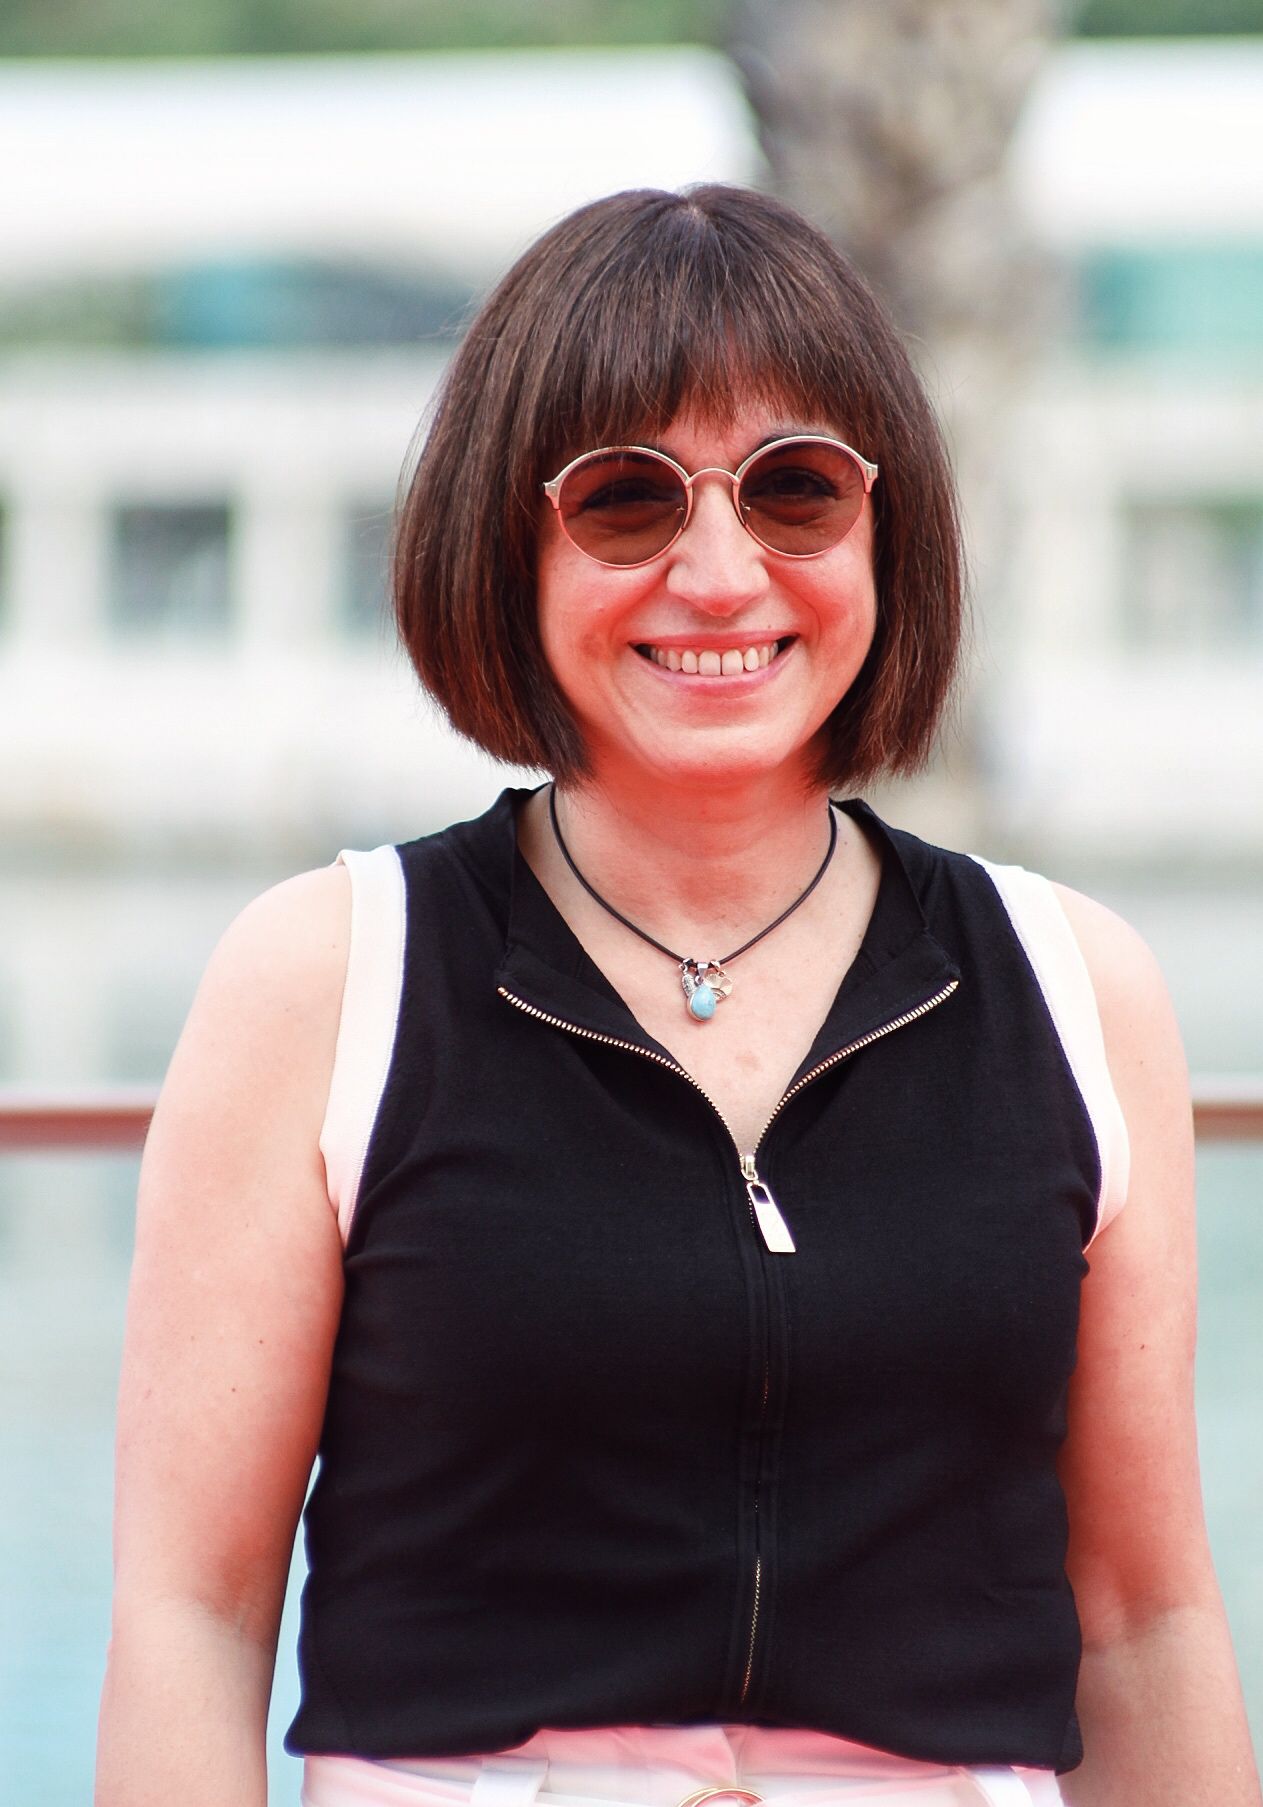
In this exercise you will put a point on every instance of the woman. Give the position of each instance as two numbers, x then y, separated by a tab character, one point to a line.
689	1344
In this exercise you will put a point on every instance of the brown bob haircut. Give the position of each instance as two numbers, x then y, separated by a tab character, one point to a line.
628	311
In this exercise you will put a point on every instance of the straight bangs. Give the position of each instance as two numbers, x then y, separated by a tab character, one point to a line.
689	319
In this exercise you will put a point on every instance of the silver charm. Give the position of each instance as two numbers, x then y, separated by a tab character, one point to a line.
718	979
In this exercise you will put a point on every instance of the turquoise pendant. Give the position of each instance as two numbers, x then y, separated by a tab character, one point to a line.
705	984
702	1001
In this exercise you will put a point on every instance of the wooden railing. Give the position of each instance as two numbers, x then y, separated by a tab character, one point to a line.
1228	1109
100	1118
89	1119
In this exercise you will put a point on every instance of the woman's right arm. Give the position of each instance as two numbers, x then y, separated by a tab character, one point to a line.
235	1293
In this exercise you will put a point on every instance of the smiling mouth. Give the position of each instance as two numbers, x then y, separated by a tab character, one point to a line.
707	662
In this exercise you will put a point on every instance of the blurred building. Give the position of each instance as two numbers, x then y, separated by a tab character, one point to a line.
228	292
1127	706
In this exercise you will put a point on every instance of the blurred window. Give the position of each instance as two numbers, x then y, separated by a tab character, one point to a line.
365	601
1194	575
264	303
169	572
1203	301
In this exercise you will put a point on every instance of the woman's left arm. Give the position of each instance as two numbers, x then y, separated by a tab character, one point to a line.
1159	1700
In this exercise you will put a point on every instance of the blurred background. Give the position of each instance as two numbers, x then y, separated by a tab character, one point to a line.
239	244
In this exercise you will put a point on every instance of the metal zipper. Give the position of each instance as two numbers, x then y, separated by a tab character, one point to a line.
760	1197
754	1615
764	1212
763	1207
874	1035
614	1041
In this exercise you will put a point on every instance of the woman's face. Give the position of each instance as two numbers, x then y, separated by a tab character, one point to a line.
611	636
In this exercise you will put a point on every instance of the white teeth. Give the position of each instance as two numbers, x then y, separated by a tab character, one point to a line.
710	664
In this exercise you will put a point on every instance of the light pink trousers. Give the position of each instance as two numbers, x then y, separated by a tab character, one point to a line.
662	1766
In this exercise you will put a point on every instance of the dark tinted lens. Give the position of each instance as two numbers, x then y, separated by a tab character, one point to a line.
622	507
802	497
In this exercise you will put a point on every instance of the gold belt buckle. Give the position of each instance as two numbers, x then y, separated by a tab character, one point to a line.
745	1795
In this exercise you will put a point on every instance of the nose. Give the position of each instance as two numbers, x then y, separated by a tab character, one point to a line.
715	565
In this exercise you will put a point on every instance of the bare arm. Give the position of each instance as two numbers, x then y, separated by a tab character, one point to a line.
234	1301
1160	1704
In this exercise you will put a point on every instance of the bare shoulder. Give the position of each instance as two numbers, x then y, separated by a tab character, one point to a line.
1123	967
288	940
1137	1016
282	960
253	1063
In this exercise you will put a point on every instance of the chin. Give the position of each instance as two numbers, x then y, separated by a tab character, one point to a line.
723	762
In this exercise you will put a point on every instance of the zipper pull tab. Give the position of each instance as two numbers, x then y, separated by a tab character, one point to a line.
767	1213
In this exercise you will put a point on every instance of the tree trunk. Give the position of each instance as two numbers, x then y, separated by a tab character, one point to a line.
887	122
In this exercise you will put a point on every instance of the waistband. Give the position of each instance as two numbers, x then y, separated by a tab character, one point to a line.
673	1766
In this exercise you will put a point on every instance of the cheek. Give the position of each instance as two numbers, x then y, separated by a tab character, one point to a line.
566	615
571	623
863	576
580	607
555	603
846	596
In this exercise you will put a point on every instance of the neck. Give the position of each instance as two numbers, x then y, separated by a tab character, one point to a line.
697	860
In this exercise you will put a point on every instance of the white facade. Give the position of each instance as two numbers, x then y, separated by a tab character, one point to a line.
459	158
1122	684
1126	716
287	719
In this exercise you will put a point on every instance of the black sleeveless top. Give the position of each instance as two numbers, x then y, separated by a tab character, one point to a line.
594	1454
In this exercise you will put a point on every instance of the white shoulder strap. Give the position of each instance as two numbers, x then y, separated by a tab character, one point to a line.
366	1027
1044	930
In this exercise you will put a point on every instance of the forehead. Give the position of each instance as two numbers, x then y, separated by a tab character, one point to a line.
697	436
698	411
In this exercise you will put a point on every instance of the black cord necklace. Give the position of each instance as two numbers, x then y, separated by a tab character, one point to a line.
705	982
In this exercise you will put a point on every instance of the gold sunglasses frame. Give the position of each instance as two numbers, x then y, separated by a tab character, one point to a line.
552	489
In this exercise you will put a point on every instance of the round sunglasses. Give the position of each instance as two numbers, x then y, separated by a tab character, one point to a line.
623	505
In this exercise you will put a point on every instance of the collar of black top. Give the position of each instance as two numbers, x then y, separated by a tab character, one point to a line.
899	965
